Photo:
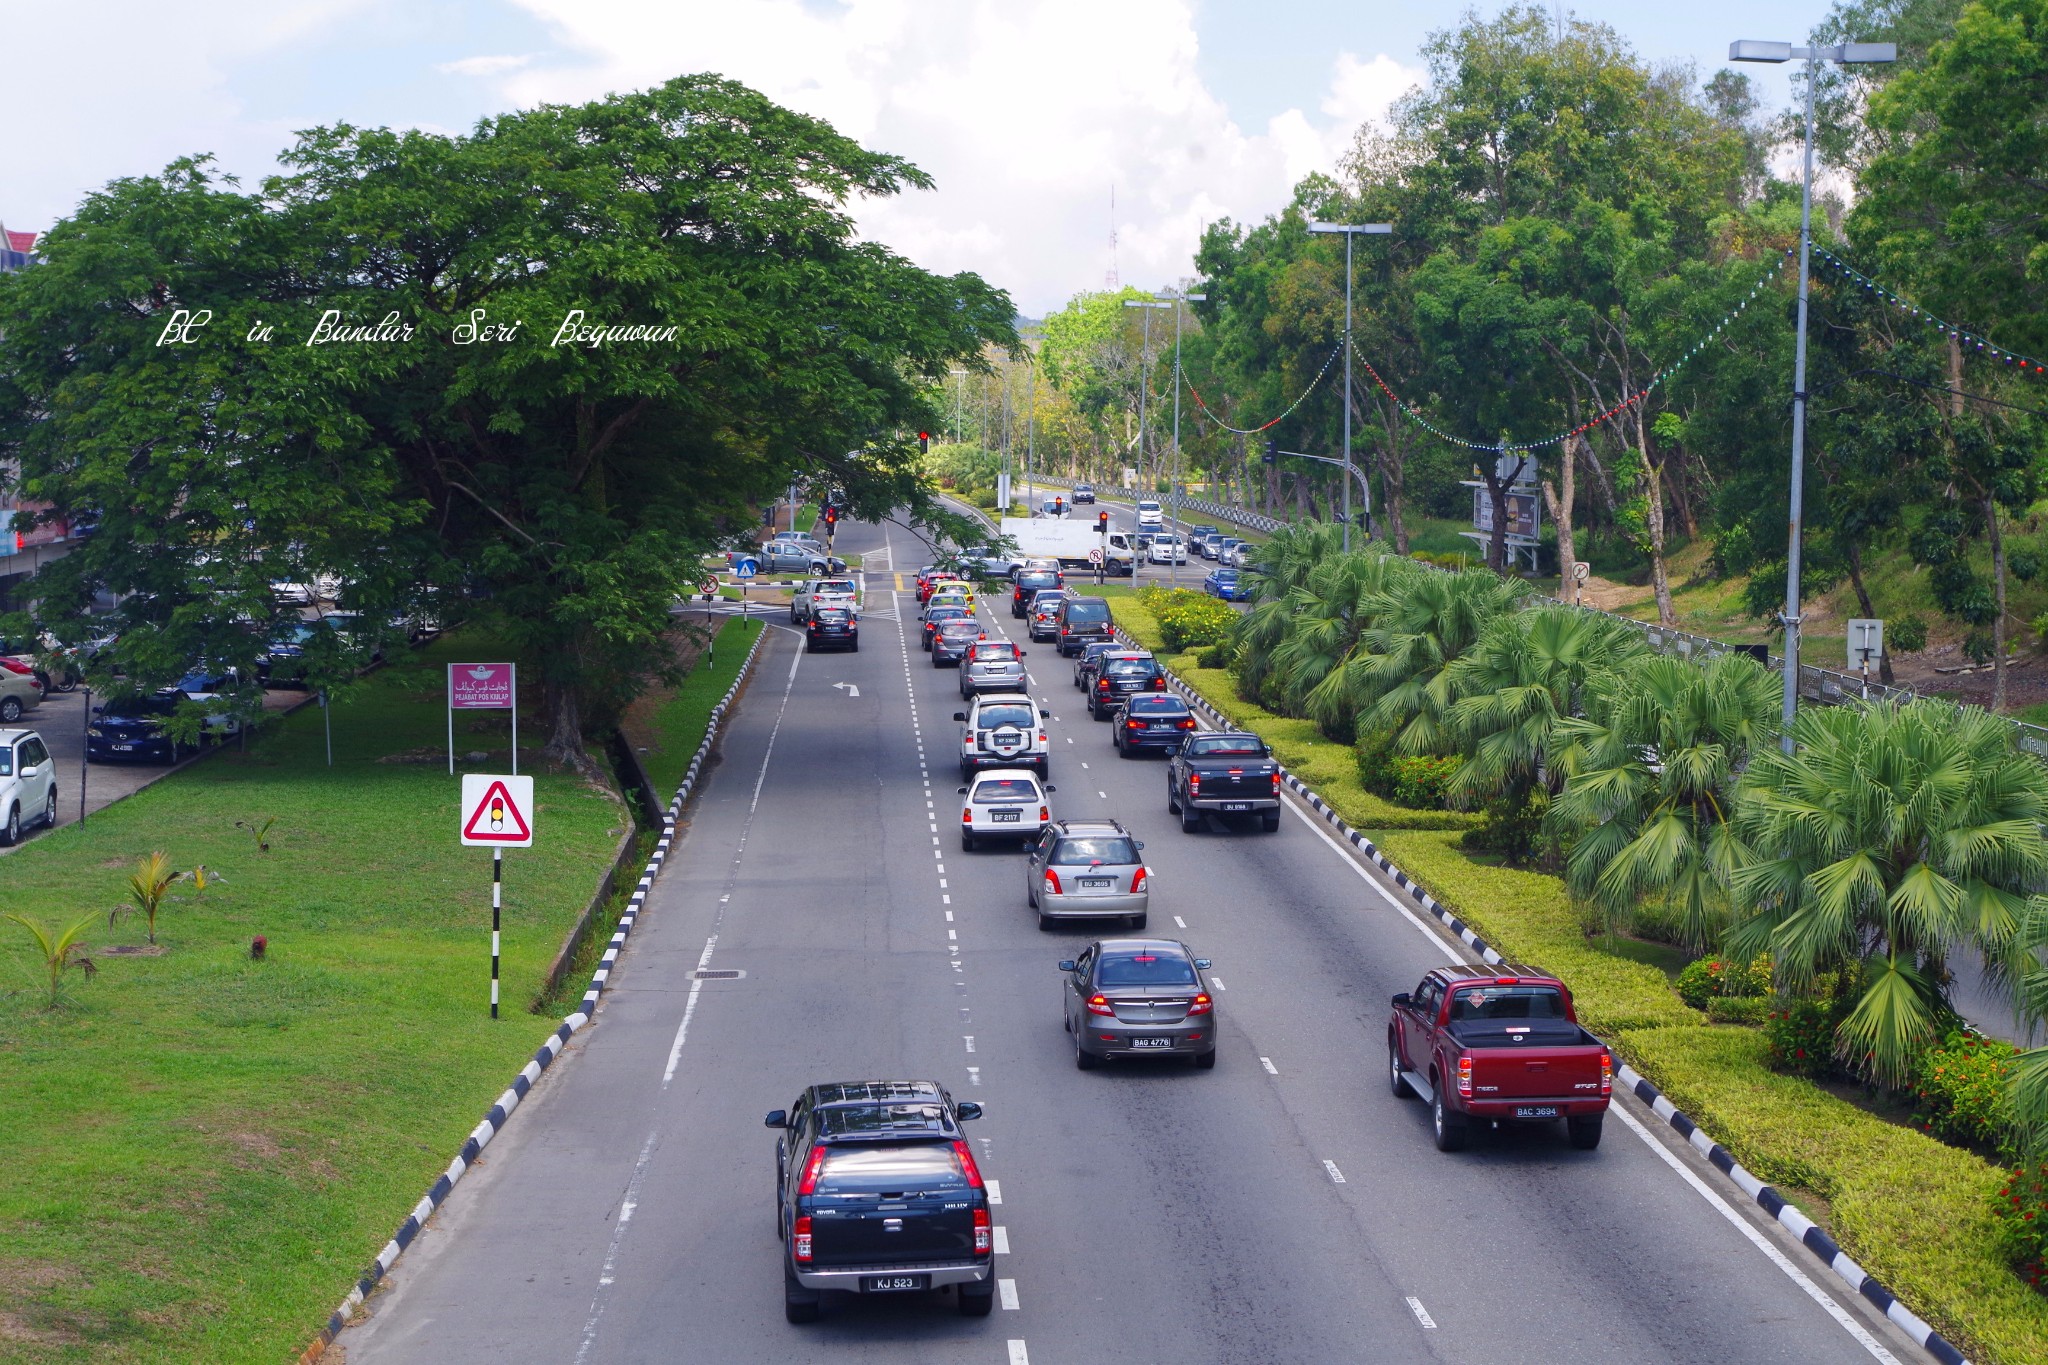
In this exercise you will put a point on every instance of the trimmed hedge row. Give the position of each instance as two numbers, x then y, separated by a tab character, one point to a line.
1914	1212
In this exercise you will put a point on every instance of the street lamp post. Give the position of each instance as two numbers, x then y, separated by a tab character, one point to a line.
959	404
1175	300
1350	231
1846	53
1144	373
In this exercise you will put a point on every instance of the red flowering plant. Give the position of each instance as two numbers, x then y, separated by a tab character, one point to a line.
1961	1095
2021	1210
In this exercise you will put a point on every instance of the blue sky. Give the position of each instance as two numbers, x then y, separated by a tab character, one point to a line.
1026	111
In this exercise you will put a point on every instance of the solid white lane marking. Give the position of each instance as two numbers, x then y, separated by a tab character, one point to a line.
1267	1062
1006	1290
995	1187
1758	1240
1179	923
629	1202
1421	1314
675	1050
1336	1176
1002	1241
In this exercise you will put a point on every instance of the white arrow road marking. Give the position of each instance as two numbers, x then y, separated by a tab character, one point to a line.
851	690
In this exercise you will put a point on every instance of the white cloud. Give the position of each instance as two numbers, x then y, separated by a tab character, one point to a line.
482	66
1024	111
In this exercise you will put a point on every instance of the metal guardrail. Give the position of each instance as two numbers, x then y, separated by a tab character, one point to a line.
1236	516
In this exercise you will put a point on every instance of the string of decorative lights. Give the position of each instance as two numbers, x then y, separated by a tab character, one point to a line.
1328	361
1414	414
2026	363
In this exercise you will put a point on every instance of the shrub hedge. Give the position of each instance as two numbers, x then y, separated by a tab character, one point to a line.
1187	619
1914	1212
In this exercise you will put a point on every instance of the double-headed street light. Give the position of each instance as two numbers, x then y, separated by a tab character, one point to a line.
1350	231
1174	300
1848	54
959	405
1144	370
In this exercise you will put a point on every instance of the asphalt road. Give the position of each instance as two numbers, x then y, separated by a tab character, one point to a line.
1281	1208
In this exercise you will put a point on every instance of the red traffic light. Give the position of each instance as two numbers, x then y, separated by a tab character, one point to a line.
924	443
831	516
1102	520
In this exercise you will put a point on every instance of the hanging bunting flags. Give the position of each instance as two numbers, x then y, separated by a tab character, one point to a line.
2027	364
1253	431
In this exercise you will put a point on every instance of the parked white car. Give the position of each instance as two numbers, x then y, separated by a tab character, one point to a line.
28	784
1150	515
1167	550
823	592
1003	803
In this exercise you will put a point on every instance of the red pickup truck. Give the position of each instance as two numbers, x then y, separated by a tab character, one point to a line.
1497	1045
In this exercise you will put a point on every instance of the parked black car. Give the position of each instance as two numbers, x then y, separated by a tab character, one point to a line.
877	1192
832	628
1151	720
1119	678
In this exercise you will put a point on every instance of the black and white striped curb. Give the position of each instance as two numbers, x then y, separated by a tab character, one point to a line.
494	1122
1812	1237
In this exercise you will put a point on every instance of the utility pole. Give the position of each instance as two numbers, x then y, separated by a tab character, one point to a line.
1144	371
1172	560
1350	231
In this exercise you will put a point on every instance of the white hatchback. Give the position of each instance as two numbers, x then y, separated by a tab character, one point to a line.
1004	803
28	784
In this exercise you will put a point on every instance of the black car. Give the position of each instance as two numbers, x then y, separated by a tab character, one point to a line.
1030	583
133	730
1226	772
877	1192
951	640
1151	720
1084	494
1092	655
1121	678
832	628
1080	620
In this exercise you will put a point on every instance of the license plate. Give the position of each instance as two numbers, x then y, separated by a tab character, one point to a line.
121	748
1151	1042
889	1284
1004	817
1535	1111
1097	883
1235	805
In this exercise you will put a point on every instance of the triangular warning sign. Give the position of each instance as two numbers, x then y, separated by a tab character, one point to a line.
497	818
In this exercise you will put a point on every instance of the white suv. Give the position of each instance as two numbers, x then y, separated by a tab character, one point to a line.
1004	730
1150	516
823	592
28	784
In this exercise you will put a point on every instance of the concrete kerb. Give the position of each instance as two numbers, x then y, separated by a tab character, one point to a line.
1812	1237
494	1122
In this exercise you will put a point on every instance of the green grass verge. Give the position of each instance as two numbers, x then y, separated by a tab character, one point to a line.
680	723
1912	1211
205	1151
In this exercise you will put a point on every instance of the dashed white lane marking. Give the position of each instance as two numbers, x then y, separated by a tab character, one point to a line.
1757	1239
1018	1356
995	1187
1421	1314
1179	923
1103	795
970	1041
605	1275
942	884
1070	739
1217	982
949	917
1006	1290
1267	1062
1002	1241
974	1078
1336	1176
952	933
942	869
1084	765
945	900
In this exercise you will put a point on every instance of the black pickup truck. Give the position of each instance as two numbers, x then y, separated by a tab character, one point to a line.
1226	772
877	1192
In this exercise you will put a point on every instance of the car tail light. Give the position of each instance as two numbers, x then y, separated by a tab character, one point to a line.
1052	881
1041	736
1099	1004
1465	1074
1606	1073
1194	784
1201	1004
967	1167
809	1184
1138	880
1102	686
967	815
1159	684
1043	815
983	1235
14	666
800	1241
1134	725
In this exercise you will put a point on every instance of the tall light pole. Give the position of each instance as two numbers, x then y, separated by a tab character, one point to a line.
1030	436
1846	53
1144	373
1175	300
1350	231
959	404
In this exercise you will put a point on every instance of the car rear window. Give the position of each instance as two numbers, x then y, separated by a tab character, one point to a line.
944	613
1088	609
987	653
1226	747
965	625
872	1168
834	585
1038	581
1507	1002
1145	969
1015	713
1005	789
1080	850
1156	706
834	615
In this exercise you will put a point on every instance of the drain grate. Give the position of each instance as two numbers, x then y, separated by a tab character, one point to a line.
717	976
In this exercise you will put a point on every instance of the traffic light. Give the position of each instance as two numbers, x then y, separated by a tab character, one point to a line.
831	516
924	443
1102	523
1272	451
1059	507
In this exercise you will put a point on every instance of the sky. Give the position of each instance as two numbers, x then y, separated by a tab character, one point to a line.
1029	114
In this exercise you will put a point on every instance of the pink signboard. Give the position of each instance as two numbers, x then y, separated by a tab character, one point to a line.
480	687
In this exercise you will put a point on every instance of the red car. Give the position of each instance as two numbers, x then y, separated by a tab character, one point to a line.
1495	1045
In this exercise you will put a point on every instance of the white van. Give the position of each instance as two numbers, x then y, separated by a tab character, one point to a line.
1150	517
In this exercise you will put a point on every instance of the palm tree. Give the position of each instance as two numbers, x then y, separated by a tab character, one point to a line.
1282	565
61	950
1527	673
1393	678
1650	774
1334	606
1892	836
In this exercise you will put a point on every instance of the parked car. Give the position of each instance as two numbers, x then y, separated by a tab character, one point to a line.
1229	584
832	627
1497	1045
1030	583
283	662
818	592
28	784
1079	620
877	1192
1003	803
1087	869
1139	997
1042	621
58	669
803	538
323	587
1084	495
991	666
950	642
132	728
788	556
1167	549
20	690
1224	772
1120	677
1003	730
1152	720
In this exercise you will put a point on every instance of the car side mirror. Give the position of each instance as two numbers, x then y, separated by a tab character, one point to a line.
777	1118
963	791
30	771
965	1110
960	716
1020	653
1402	1000
1045	713
1067	964
1139	845
1050	788
1202	964
99	710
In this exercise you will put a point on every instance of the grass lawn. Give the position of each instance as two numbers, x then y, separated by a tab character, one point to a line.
679	723
204	1151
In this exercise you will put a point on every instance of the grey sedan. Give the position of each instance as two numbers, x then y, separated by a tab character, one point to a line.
1139	997
1087	869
